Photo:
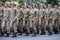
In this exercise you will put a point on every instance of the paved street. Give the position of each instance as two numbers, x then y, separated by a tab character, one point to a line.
38	37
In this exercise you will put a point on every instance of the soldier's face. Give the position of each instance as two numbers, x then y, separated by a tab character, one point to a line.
49	7
0	5
33	6
18	6
30	7
25	7
41	7
12	5
6	5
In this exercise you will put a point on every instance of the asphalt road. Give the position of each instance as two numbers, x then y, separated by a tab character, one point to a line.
38	37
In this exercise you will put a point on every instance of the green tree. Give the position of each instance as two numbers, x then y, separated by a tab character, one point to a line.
3	1
53	2
21	2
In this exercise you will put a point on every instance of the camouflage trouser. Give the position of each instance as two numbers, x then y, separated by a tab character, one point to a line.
39	20
13	26
31	23
56	27
6	26
35	26
50	27
0	25
23	21
43	28
20	25
27	25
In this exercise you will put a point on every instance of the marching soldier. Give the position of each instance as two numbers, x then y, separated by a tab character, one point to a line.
6	20
13	23
55	19
26	19
48	15
42	19
1	17
20	19
35	20
31	18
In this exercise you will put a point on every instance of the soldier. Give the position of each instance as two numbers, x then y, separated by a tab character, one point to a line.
20	19
26	19
48	15
6	18
35	20
55	18
41	19
31	18
13	23
1	16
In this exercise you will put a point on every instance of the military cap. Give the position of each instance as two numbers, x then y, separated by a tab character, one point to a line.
16	2
19	4
42	4
7	3
55	6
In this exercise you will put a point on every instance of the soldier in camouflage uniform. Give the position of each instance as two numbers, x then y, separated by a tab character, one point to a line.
55	19
13	23
31	18
1	17
20	19
35	20
49	21
6	20
26	19
42	19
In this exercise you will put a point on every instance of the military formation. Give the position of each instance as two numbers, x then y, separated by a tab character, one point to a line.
28	19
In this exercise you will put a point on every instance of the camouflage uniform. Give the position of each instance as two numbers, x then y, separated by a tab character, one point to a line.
31	19
26	20
55	19
13	23
49	20
42	20
35	22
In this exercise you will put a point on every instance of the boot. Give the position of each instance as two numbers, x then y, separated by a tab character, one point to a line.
27	34
42	33
14	35
2	34
7	35
56	32
20	33
34	34
50	33
37	31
